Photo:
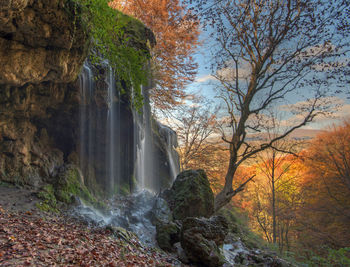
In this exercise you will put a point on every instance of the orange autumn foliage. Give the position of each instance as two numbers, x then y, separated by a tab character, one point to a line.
326	185
177	34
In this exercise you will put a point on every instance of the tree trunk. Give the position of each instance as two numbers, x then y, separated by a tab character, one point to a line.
226	194
273	200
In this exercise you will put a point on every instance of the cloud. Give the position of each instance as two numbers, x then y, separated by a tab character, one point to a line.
205	78
338	110
329	103
228	73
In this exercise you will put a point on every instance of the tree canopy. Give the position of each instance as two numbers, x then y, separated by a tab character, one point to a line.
177	35
265	53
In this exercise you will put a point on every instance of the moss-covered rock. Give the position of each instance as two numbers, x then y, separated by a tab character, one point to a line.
190	195
48	200
168	233
70	185
202	238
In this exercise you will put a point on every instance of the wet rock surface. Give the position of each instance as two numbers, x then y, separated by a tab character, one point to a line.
42	49
37	132
133	213
237	254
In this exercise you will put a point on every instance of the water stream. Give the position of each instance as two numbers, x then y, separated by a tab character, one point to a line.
171	144
120	148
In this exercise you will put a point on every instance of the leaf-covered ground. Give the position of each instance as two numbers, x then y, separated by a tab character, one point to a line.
36	239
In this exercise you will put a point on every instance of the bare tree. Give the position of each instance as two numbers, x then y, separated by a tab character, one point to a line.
268	51
195	122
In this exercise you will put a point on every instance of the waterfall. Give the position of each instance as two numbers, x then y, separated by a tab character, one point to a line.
113	156
86	83
121	148
99	130
173	156
171	143
146	166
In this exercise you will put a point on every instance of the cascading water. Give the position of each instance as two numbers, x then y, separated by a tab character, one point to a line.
113	138
99	130
171	144
146	166
119	145
86	91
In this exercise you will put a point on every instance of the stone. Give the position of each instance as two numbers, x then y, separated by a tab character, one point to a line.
167	234
39	42
121	233
181	253
160	212
202	238
190	195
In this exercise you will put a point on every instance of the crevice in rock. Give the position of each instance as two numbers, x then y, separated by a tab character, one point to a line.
7	36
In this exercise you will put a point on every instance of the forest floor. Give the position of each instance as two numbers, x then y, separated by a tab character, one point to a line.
30	237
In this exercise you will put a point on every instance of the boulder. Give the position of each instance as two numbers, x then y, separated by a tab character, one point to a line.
168	233
160	212
202	238
181	253
190	195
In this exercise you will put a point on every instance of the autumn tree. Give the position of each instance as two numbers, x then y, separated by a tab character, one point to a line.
177	33
276	193
325	216
266	53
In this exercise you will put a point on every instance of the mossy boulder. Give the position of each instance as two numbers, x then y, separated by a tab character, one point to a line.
168	233
190	195
202	238
70	184
47	198
137	34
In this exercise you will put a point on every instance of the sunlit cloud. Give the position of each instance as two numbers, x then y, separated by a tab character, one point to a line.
230	74
205	78
335	110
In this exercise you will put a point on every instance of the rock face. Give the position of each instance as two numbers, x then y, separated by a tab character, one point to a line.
41	53
36	130
190	195
40	41
201	239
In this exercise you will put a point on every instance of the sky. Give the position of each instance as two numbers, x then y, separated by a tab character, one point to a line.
204	85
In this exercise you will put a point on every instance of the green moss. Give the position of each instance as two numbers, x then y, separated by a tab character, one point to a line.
120	39
70	185
48	201
167	235
43	206
123	189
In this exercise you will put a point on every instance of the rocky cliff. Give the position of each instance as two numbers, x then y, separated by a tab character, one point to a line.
43	46
40	41
42	49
